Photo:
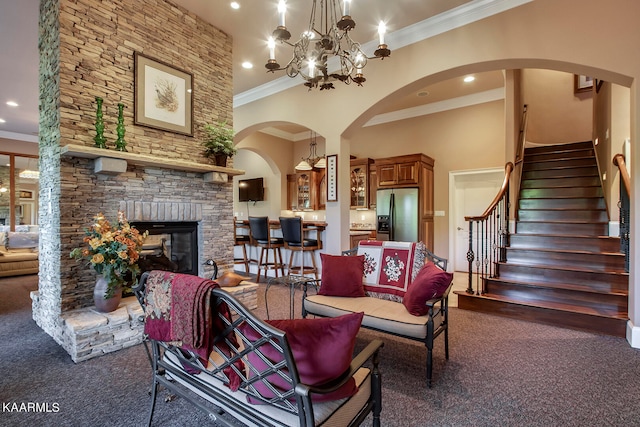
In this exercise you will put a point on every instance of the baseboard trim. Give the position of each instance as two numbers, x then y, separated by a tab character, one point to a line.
633	334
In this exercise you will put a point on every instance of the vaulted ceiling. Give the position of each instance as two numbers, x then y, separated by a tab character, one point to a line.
249	25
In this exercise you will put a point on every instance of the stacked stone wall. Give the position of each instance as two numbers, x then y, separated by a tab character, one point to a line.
87	49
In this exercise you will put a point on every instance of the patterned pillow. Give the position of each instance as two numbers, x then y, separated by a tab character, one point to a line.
388	268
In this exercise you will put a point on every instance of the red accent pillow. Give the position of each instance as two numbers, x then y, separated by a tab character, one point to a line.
322	349
342	276
431	282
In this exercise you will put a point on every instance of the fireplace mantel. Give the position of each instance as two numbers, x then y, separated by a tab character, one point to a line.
212	173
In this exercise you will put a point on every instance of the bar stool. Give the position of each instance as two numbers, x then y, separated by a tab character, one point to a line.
261	237
241	240
294	240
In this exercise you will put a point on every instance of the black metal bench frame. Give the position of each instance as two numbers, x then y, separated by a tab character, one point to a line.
438	309
168	364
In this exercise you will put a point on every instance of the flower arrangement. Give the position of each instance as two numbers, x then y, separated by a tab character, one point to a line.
112	251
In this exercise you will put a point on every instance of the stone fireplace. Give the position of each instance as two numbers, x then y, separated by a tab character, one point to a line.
162	177
189	215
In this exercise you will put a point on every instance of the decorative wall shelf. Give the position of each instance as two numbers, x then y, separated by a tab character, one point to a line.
107	166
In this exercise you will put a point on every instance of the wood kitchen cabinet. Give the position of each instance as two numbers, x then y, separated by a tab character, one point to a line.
411	171
356	237
359	183
401	170
306	190
373	187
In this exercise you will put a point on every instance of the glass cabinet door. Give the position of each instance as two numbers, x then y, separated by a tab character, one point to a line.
358	187
303	183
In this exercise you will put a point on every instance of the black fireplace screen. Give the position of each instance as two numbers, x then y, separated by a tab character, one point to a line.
170	246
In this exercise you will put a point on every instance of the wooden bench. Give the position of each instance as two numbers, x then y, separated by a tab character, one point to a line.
387	313
252	360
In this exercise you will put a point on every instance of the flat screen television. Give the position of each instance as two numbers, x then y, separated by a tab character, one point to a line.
251	190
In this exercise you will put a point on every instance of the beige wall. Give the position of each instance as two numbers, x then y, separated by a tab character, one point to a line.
465	138
620	131
556	113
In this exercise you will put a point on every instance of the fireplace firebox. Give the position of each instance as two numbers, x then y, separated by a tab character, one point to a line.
170	246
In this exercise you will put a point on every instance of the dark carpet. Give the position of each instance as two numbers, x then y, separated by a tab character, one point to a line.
501	372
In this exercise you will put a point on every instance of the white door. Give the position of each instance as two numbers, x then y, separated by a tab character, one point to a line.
471	194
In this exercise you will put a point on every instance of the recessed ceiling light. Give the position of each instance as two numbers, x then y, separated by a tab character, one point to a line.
469	79
423	93
3	121
12	103
247	65
235	5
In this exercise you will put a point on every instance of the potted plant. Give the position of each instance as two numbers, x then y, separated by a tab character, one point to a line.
218	142
113	252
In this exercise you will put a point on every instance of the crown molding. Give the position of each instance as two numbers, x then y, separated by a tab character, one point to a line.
455	18
438	107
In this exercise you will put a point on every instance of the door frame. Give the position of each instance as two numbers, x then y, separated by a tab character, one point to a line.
454	181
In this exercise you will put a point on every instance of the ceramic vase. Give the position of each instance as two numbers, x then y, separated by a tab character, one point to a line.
104	304
121	145
99	139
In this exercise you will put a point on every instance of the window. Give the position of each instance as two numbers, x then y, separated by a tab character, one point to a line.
18	190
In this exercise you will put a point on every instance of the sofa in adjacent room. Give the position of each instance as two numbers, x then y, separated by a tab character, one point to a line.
19	251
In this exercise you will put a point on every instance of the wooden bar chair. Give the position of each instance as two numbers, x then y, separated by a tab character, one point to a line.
241	240
296	242
261	237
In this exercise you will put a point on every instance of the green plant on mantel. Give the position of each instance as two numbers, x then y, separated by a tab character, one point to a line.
218	140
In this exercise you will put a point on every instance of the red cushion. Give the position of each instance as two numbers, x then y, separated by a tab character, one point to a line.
322	350
431	282
342	276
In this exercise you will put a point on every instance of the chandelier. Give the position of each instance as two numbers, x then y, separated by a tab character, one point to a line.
313	161
324	41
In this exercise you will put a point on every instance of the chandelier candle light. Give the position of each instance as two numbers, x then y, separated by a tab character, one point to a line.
330	39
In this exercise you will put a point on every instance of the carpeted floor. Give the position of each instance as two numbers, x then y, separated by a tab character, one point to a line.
501	372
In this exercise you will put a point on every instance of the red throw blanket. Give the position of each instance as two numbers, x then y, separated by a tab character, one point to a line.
178	311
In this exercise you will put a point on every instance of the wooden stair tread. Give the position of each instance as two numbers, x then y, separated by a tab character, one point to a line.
559	285
572	236
551	305
565	268
563	251
557	221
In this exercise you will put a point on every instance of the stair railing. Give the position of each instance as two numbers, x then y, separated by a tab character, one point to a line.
624	207
488	246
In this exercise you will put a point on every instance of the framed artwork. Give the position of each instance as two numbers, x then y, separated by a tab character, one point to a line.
25	194
163	96
332	178
582	83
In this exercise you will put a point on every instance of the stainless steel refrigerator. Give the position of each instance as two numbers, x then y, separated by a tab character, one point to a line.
397	212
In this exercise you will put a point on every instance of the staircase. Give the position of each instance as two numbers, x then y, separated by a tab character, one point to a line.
561	267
